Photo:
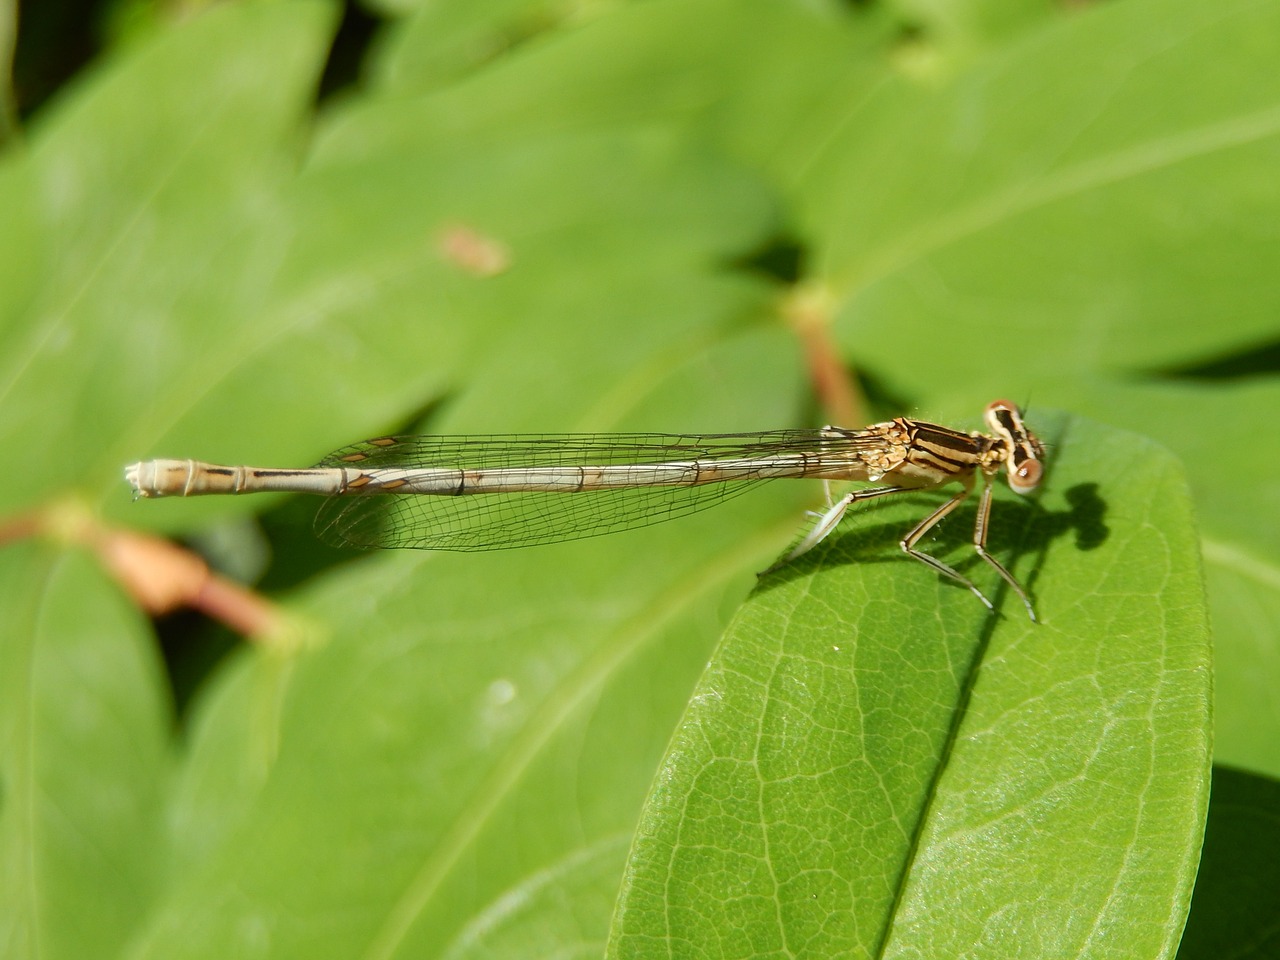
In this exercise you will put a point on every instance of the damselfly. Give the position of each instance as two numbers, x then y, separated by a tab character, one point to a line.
491	493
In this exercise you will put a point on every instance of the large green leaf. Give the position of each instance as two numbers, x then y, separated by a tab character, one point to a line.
874	766
1022	214
84	759
1197	421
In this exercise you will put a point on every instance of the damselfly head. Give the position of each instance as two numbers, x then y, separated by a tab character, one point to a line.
1024	453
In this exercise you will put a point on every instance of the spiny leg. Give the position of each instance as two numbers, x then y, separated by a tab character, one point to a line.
980	546
829	519
826	499
908	543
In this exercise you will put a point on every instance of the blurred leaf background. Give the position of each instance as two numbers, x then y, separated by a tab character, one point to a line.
254	232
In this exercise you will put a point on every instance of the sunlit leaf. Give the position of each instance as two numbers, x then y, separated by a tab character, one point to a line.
875	766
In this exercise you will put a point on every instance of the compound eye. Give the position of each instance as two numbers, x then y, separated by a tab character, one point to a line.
1026	477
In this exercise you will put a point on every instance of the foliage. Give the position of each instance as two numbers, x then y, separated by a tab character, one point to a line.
533	216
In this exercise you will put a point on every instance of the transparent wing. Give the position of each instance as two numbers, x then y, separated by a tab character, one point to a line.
496	521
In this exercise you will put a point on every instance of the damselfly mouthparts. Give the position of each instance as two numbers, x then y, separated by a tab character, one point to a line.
491	493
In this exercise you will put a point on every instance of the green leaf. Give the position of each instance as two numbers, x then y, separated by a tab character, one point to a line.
752	76
146	190
84	759
1197	421
1077	226
874	766
444	43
